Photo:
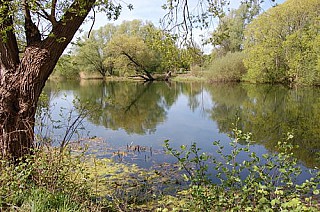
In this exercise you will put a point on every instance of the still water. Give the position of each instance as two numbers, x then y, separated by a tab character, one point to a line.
122	114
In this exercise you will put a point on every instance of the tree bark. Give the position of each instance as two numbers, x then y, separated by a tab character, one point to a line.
19	94
147	75
22	81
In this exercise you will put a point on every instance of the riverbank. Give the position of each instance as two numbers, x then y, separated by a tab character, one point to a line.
184	77
188	77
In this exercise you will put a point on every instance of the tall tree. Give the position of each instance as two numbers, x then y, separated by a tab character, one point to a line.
143	49
132	53
48	26
90	54
283	44
229	35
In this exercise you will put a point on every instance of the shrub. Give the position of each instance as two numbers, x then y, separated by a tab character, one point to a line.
46	181
227	68
267	183
66	68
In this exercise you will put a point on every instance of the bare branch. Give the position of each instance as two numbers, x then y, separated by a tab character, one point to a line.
47	16
187	18
184	16
93	21
136	63
53	8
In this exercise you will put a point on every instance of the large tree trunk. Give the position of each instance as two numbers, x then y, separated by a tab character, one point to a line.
19	93
16	123
21	81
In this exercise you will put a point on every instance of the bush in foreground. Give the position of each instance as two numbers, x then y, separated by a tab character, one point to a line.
267	183
46	181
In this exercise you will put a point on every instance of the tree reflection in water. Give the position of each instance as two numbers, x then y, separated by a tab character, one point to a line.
267	111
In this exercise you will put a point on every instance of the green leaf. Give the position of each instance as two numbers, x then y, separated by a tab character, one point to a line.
275	202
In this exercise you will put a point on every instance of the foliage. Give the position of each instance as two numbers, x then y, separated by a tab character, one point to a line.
268	183
89	51
66	67
149	50
226	62
229	35
282	44
164	47
48	180
132	48
226	68
132	54
170	56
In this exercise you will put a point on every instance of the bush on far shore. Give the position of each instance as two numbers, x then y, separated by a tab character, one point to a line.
228	68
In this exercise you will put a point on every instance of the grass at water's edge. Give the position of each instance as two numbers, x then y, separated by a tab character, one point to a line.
188	78
74	181
184	77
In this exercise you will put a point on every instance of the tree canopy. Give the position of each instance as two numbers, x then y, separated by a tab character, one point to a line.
283	44
133	48
229	34
89	52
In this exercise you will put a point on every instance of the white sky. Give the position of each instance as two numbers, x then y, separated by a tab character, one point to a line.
142	9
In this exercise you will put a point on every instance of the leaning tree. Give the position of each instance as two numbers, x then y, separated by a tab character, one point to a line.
34	34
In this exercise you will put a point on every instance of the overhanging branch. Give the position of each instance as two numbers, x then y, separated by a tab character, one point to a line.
47	16
149	76
53	9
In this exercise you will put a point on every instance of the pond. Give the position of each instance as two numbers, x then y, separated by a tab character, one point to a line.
127	115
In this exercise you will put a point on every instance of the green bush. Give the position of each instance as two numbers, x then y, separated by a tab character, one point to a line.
227	68
267	183
66	68
51	180
46	181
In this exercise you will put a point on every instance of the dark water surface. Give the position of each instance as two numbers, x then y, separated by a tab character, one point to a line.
144	115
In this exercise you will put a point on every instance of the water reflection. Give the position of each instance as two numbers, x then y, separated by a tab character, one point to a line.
147	114
270	112
135	107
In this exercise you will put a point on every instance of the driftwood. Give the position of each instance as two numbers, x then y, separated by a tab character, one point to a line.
168	75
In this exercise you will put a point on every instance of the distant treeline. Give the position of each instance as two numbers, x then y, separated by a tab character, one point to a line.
280	45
